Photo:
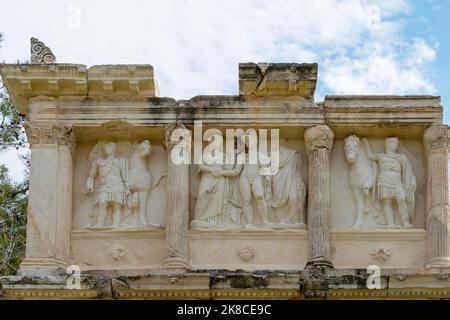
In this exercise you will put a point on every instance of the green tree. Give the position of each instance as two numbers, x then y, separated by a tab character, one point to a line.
13	204
13	196
11	121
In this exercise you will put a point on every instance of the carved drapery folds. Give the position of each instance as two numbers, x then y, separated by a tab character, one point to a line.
318	142
436	144
177	196
241	194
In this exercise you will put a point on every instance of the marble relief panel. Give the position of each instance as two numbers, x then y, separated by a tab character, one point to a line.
120	184
377	183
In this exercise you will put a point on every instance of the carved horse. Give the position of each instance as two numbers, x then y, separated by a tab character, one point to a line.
362	176
140	182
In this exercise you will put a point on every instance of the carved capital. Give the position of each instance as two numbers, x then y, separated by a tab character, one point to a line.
45	133
319	137
437	137
172	139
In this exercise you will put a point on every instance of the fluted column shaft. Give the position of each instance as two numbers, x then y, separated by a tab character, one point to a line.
318	142
178	198
438	223
49	213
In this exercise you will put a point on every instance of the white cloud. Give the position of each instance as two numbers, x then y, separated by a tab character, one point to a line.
195	45
382	69
16	166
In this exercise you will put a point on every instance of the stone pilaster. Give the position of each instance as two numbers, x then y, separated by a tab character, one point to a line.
436	144
318	142
50	198
178	198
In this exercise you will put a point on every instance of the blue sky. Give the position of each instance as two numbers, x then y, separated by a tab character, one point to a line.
362	46
431	20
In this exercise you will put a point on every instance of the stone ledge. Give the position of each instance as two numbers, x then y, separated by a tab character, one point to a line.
25	81
128	233
257	233
379	234
382	101
269	284
278	79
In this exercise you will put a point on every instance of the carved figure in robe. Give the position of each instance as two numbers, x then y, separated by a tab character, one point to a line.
213	202
286	189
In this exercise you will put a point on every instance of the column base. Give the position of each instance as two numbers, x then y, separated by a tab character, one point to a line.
319	262
176	264
438	262
42	267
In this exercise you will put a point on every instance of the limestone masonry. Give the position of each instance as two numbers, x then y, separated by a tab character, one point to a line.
361	189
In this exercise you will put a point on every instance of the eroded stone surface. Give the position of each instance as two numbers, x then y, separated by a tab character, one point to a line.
106	195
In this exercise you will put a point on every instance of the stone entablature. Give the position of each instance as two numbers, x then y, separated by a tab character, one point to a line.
66	80
363	180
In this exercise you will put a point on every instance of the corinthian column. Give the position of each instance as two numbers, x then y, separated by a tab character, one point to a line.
49	217
318	142
178	143
438	227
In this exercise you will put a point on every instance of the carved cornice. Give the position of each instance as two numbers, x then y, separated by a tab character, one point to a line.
204	286
437	137
50	133
319	137
44	294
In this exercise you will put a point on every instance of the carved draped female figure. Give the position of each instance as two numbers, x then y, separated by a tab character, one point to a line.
287	190
213	207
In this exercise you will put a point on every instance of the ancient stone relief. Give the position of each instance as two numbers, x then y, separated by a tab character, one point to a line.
380	254
40	53
246	252
120	185
383	184
240	196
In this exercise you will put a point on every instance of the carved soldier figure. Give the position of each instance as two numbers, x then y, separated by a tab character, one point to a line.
112	191
396	182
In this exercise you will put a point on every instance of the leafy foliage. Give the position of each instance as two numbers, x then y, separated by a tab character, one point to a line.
13	196
13	204
11	121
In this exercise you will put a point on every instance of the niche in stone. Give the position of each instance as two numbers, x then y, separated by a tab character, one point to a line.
242	196
383	184
120	185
